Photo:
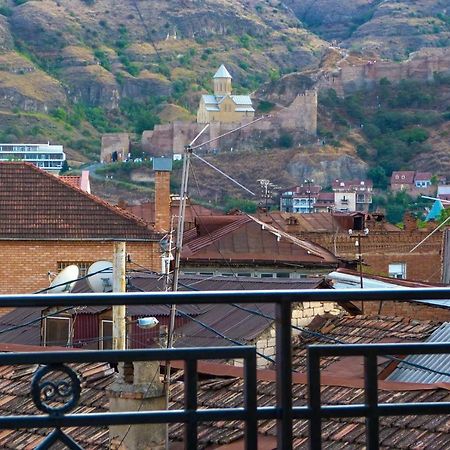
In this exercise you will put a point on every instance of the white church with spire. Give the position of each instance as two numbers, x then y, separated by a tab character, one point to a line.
222	106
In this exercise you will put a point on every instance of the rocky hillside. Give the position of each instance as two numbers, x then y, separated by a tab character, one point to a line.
115	64
386	28
92	66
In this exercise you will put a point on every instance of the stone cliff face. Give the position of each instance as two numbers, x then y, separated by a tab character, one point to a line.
387	28
6	40
26	87
324	168
348	76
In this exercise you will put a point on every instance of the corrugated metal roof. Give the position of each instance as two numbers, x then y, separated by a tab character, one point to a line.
242	99
346	279
209	99
443	190
247	239
245	109
408	373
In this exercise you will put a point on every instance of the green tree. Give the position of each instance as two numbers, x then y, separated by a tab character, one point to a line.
65	167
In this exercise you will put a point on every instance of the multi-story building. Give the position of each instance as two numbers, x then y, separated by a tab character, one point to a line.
413	182
300	199
351	196
45	156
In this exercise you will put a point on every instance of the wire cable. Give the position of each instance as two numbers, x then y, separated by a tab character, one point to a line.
341	342
211	329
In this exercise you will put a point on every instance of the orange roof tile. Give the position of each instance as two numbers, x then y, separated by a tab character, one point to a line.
37	205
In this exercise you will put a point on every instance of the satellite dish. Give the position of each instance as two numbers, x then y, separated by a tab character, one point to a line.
65	280
102	281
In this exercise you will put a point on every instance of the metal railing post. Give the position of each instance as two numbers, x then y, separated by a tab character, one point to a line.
371	400
250	396
284	373
315	418
190	399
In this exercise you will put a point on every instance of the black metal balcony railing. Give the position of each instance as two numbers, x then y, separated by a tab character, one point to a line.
67	392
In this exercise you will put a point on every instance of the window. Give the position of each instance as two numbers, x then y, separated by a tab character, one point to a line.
106	335
57	331
283	275
397	270
267	275
82	265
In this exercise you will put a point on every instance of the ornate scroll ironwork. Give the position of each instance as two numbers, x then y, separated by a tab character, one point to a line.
53	394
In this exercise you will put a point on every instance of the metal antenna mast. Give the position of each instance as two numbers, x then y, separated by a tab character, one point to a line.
188	151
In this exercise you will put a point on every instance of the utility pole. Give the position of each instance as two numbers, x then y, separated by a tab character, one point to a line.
359	255
119	311
308	182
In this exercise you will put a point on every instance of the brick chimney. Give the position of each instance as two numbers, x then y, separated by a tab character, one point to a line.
409	222
162	168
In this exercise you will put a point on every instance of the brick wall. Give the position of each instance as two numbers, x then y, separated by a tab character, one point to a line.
25	264
409	310
382	248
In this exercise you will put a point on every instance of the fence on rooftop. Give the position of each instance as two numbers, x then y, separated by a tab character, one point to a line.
45	392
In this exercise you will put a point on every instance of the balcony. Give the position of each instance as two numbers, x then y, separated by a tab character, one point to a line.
301	412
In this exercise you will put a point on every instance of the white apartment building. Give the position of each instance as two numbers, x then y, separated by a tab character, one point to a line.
45	156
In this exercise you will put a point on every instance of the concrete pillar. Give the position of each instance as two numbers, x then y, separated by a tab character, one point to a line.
138	388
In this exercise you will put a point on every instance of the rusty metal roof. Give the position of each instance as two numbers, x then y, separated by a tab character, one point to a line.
138	282
146	211
322	222
247	239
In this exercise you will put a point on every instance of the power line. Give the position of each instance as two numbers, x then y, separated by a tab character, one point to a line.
213	330
339	341
39	319
71	281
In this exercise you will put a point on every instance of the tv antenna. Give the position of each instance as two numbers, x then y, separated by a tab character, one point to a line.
188	152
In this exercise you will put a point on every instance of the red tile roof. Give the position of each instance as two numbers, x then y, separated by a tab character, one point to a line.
146	211
73	180
16	399
37	205
403	177
425	432
423	176
359	330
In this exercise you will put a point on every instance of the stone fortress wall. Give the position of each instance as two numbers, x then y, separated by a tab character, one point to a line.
171	138
301	114
421	66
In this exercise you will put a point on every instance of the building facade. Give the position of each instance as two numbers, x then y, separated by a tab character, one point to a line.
351	196
222	106
45	156
46	225
300	199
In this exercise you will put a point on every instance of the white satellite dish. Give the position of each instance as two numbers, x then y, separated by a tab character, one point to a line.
65	280
102	281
